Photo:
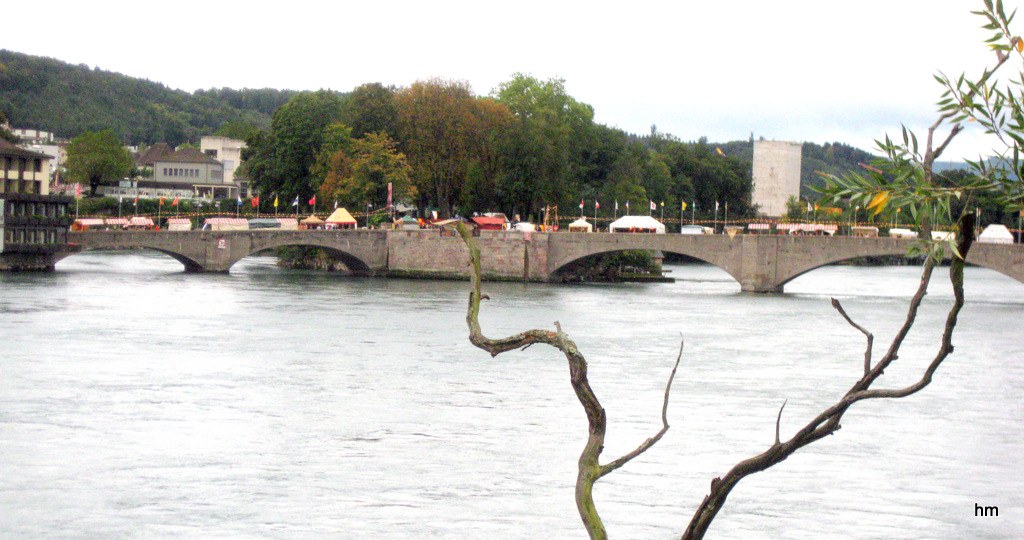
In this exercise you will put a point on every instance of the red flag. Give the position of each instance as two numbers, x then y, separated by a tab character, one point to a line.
654	205
597	205
161	201
78	190
255	201
175	203
581	204
312	201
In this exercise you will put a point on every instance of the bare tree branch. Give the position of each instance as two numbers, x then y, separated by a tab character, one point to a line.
590	470
828	421
869	335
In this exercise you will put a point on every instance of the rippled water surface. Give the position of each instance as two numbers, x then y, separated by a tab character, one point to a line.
138	401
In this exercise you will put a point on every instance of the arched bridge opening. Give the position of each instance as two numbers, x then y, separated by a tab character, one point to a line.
612	264
317	257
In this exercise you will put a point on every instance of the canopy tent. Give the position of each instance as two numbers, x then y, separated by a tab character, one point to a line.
312	222
84	224
342	219
489	223
290	224
407	223
581	225
646	224
179	224
140	222
996	234
524	226
226	224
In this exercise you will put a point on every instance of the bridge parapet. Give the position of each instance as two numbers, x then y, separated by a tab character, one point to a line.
760	263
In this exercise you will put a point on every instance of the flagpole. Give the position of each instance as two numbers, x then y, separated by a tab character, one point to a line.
596	206
693	213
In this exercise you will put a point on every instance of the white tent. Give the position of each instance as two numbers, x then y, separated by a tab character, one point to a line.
637	224
996	234
581	225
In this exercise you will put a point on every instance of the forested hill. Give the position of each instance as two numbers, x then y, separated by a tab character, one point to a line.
831	158
68	100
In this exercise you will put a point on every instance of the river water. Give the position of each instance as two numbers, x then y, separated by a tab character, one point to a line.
137	401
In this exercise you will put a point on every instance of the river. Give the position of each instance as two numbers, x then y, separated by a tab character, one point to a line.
137	401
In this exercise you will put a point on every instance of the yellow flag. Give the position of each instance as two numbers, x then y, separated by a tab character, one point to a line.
275	200
683	206
719	150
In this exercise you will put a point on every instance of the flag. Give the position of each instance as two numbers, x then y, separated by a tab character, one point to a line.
597	205
239	200
654	205
175	203
335	204
161	201
275	200
616	205
136	200
389	195
719	150
808	206
627	207
255	201
78	190
312	201
716	206
296	201
581	204
684	206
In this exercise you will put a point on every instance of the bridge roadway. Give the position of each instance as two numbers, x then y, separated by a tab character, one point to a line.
760	263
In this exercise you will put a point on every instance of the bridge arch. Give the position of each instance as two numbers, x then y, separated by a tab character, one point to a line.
564	266
566	249
355	265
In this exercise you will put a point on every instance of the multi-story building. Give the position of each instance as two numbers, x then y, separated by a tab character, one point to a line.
33	224
185	172
229	152
776	172
23	171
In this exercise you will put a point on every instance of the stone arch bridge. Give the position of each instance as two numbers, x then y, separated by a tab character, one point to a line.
760	263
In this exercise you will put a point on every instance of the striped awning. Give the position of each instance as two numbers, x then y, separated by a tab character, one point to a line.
285	221
227	221
759	226
116	221
178	221
89	221
140	222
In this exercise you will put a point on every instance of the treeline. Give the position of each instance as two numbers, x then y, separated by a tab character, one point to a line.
525	147
69	100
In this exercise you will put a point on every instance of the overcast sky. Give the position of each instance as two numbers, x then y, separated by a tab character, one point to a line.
801	70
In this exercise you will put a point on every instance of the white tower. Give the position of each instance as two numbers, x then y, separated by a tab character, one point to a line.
776	172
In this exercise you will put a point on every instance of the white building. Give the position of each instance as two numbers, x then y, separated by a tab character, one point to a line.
228	152
776	175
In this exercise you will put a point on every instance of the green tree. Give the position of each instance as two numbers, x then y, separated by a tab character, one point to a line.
370	108
361	174
98	159
438	127
541	149
281	160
